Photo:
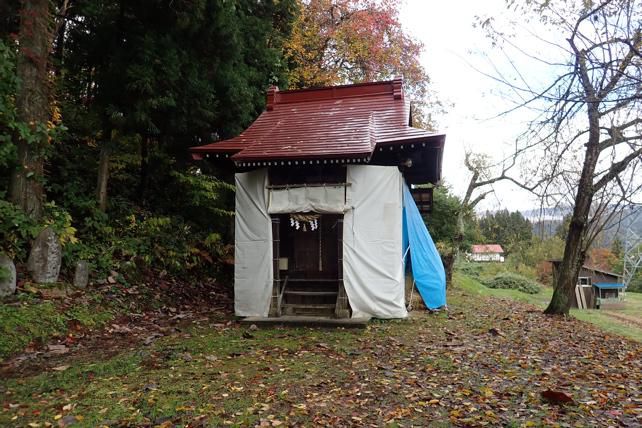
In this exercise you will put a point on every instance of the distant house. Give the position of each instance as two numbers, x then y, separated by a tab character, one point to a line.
595	288
487	253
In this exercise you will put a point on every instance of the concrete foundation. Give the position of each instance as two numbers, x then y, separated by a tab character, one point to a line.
298	321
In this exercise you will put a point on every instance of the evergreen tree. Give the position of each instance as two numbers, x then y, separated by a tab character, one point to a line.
164	76
617	248
136	84
508	229
441	222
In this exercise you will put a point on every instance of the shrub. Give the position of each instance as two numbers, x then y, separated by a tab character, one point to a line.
144	240
16	230
471	269
513	281
545	272
8	115
636	283
522	269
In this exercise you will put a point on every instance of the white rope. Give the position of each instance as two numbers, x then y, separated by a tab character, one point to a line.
403	258
412	292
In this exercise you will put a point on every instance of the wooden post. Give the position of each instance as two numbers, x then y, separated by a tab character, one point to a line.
342	308
103	176
275	307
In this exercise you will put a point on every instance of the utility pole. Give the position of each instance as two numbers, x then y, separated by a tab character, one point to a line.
632	255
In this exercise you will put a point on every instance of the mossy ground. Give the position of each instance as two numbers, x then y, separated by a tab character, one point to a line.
29	320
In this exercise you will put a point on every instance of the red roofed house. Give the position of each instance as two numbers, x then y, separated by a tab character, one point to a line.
319	183
487	253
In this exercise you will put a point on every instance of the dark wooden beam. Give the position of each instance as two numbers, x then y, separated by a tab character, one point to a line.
275	304
342	308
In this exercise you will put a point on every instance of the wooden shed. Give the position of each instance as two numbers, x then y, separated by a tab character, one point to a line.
595	288
320	179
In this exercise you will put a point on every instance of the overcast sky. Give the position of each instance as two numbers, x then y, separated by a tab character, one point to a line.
453	50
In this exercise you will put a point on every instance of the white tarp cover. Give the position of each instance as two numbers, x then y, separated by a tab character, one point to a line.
327	199
253	246
372	247
372	243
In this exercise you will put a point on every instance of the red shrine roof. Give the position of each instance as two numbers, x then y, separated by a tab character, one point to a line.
487	248
340	122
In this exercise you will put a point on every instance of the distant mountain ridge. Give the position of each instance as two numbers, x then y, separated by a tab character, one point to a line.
546	221
548	214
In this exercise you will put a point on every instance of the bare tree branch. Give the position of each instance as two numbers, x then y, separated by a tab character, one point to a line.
587	132
616	169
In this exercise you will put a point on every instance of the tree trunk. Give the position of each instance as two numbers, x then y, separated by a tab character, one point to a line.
59	45
144	169
449	259
576	246
26	189
103	177
569	268
32	102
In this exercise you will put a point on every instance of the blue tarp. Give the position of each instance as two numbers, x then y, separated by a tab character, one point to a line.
427	268
608	285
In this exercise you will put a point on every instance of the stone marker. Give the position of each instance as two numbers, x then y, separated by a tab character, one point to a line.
7	276
45	257
81	276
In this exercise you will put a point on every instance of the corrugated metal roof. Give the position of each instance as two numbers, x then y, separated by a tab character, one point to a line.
487	248
334	122
587	267
608	285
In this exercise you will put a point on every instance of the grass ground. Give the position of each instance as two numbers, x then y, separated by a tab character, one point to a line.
489	361
626	322
475	287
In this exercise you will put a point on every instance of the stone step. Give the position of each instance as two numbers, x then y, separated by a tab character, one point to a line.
308	321
311	309
309	306
310	293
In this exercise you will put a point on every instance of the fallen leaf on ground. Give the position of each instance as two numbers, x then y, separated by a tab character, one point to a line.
495	332
60	368
57	349
556	397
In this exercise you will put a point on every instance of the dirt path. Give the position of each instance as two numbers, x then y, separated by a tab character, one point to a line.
628	319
